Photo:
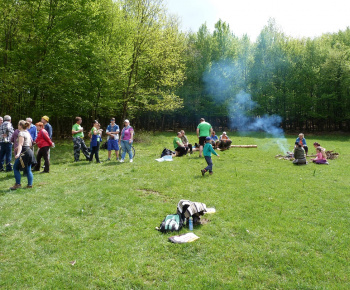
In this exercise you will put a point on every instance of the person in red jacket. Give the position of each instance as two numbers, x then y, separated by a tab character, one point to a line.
44	143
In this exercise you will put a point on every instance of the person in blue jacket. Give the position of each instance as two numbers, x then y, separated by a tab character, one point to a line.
301	140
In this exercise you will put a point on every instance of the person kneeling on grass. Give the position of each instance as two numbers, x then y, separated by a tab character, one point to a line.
179	146
299	154
207	150
321	157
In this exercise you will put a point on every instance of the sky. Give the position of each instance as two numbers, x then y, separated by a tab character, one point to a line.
297	18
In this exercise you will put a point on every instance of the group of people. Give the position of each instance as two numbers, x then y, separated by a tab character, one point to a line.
22	141
114	141
207	140
301	151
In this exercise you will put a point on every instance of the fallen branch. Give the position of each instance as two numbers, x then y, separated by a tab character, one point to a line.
244	146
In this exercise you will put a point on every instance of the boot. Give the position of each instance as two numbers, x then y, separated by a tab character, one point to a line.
15	186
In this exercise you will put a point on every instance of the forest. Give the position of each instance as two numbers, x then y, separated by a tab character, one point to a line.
129	59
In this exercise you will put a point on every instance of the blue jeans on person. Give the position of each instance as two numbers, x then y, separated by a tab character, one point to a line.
27	170
126	147
6	154
210	163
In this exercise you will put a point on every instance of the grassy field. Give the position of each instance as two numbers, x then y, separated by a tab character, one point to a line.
276	226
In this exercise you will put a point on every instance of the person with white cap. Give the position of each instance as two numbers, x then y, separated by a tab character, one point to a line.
224	141
126	139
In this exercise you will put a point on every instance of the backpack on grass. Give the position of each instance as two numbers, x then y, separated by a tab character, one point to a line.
172	222
166	152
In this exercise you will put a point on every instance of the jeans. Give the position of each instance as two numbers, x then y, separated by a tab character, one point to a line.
6	154
26	170
95	150
210	163
126	147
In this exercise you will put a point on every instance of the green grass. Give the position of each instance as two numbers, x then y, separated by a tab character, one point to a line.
277	225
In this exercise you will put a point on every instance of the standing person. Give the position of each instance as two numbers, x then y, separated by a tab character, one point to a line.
6	131
32	129
185	141
3	159
78	140
301	140
113	138
179	146
14	141
204	130
24	157
44	143
96	134
47	126
126	140
208	149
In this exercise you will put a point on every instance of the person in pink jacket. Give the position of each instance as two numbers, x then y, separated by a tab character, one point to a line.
321	157
44	143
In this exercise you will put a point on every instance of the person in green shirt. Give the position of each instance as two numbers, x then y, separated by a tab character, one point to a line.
179	146
78	140
208	149
204	130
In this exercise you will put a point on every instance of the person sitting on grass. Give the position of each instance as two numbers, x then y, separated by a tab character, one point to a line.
180	148
321	157
225	142
316	145
185	141
299	154
207	150
214	140
301	140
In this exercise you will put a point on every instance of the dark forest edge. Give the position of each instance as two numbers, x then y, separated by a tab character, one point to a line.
128	59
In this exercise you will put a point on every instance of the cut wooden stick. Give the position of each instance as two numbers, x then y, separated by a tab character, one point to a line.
244	146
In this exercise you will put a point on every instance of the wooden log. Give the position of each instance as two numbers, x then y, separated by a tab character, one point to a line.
244	146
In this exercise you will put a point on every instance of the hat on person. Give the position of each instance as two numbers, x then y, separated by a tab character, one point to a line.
46	118
207	138
224	133
126	120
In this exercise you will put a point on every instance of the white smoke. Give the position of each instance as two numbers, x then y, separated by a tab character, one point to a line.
220	82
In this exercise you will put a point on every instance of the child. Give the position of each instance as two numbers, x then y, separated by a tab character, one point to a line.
321	157
301	140
207	150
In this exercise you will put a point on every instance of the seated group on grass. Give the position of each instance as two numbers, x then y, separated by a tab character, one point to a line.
301	150
182	145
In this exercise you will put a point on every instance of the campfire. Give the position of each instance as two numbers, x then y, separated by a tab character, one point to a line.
330	155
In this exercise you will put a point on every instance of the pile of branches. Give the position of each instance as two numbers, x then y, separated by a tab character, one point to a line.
332	155
289	156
